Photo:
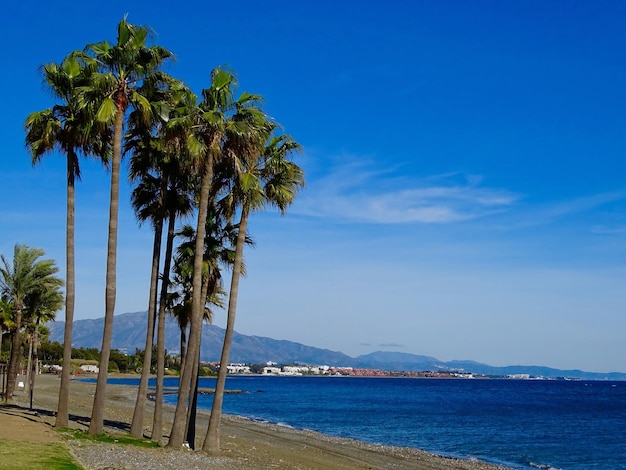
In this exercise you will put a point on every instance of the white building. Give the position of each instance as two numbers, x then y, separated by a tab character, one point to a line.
238	369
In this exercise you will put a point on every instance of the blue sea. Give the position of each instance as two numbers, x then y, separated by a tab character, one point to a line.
521	424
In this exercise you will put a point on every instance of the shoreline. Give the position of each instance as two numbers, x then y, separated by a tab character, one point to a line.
245	443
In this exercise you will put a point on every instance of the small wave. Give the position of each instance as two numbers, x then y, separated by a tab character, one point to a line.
254	419
543	466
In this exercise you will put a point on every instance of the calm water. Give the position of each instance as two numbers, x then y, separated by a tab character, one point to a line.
517	423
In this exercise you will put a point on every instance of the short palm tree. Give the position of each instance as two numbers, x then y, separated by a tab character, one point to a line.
23	276
67	127
41	307
118	71
6	314
218	238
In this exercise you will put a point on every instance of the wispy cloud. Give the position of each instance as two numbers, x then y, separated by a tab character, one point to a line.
548	212
391	345
354	192
583	204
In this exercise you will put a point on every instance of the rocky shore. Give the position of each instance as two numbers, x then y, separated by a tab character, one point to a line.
245	444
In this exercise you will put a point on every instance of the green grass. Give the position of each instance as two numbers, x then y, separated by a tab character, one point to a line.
108	438
19	455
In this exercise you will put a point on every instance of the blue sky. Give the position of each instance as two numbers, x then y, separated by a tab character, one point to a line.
466	183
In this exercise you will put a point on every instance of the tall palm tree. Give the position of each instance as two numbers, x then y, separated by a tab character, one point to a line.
20	278
217	102
181	183
119	72
147	199
261	179
69	128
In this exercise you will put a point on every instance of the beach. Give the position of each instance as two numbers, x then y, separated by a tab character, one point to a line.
245	444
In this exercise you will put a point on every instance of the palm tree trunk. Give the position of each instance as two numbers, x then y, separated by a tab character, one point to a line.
35	361
180	417
136	428
96	425
193	406
29	364
157	422
62	419
14	358
190	435
183	348
212	439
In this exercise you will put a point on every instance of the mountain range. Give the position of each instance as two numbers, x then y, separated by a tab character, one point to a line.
129	334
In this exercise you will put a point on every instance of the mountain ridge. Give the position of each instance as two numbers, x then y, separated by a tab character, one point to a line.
129	334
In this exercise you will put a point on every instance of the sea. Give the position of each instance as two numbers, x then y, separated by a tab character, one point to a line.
520	424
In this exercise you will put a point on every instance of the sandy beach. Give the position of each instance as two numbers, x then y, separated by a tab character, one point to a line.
245	444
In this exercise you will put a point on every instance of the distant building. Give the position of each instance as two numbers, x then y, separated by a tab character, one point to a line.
238	369
519	376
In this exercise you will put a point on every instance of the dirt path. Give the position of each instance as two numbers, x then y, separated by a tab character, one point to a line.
20	424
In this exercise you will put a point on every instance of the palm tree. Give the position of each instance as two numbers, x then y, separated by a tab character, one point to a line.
160	197
219	235
265	179
217	102
69	128
147	199
41	307
118	72
177	203
214	123
22	277
6	314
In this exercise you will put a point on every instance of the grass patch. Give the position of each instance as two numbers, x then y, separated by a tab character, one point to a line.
122	439
19	455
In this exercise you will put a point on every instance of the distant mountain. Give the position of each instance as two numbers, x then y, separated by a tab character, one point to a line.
129	334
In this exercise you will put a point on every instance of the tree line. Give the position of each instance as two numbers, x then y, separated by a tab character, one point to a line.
217	156
51	354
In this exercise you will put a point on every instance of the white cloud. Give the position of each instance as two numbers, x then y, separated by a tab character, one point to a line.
353	192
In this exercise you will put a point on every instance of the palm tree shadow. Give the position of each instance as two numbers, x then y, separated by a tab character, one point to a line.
108	423
35	414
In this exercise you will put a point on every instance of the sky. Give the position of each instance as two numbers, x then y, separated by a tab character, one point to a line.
465	175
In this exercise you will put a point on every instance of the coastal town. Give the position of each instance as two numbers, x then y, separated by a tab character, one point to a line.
272	368
275	369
